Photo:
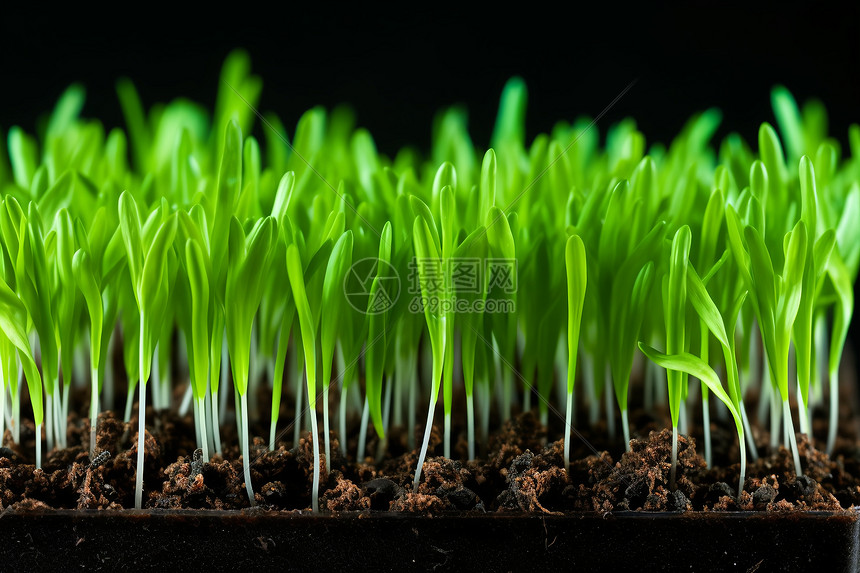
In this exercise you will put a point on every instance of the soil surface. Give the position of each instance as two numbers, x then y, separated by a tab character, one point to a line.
519	472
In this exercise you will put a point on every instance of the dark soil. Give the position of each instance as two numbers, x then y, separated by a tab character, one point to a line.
519	474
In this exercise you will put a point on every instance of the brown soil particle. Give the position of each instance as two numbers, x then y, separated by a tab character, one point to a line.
346	496
519	473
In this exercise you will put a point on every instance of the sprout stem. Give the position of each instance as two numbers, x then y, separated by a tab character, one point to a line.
297	420
362	432
129	402
223	379
791	437
742	478
427	429
674	469
39	446
590	388
382	446
775	419
625	427
246	462
609	403
107	398
49	417
315	489
447	443
567	422
141	421
3	412
201	420
706	423
16	410
216	429
64	417
802	412
186	400
470	424
341	419
748	433
94	410
412	407
325	428
834	410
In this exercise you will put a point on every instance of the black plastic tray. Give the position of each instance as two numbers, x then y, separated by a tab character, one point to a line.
202	541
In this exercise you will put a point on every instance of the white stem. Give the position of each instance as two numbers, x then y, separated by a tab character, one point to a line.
325	429
682	418
589	376
49	417
398	381
706	422
186	400
625	426
65	414
246	461
748	433
833	424
315	488
107	397
3	411
447	444
362	432
216	418
609	402
297	419
254	378
382	445
94	411
16	410
223	378
743	466
141	429
775	419
156	381
802	413
567	423
427	429
674	469
204	435
272	435
470	425
765	391
786	409
166	390
486	404
129	401
39	446
411	410
8	413
341	420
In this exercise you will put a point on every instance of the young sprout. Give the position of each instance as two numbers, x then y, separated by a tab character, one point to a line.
249	256
308	327
147	265
13	320
427	252
577	278
187	230
675	300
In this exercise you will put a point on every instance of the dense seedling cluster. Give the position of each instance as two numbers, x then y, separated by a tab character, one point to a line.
323	264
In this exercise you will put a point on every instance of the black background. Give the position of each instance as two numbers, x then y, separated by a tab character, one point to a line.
398	68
